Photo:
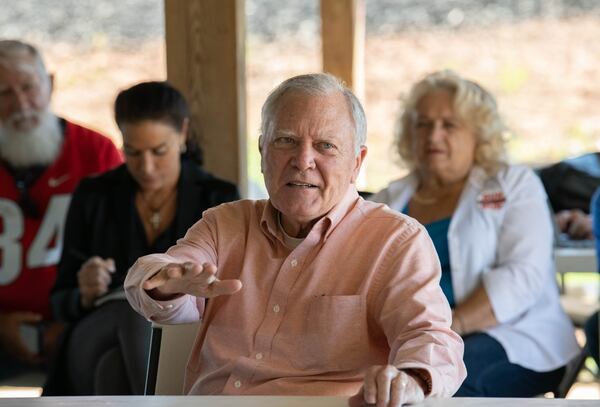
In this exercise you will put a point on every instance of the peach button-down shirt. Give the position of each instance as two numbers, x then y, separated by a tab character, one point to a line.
362	289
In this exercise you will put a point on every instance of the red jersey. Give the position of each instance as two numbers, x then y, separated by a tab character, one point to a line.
30	247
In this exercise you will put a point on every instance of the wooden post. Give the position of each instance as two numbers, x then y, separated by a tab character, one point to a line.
343	34
205	42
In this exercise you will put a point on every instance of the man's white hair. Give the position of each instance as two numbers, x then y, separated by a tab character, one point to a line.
12	53
314	84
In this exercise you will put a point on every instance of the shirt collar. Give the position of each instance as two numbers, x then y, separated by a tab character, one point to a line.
324	227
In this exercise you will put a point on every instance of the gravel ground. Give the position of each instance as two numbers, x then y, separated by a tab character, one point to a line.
82	21
128	22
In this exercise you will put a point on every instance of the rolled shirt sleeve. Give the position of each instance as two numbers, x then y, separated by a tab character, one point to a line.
196	246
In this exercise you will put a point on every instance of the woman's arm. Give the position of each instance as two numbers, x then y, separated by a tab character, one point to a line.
474	314
523	263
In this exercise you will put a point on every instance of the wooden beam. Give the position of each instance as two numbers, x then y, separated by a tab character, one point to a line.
343	34
205	42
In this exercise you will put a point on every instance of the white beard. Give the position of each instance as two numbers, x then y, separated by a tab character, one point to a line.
39	146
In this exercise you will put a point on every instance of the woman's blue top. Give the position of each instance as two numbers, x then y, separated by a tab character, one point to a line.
438	232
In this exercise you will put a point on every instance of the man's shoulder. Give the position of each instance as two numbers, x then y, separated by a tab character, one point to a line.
88	141
384	218
240	210
92	151
84	133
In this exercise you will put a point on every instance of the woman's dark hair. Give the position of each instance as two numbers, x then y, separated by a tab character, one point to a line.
157	101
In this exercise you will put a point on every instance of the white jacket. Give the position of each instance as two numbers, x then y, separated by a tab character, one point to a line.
508	246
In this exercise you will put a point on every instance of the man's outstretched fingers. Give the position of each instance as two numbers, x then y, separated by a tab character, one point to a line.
209	272
157	279
153	282
223	287
190	269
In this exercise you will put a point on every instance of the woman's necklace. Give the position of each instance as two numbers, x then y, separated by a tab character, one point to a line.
155	212
442	194
424	200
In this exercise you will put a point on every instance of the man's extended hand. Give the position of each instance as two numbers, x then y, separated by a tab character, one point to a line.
386	386
189	278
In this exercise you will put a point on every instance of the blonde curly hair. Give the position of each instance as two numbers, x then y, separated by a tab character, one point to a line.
472	103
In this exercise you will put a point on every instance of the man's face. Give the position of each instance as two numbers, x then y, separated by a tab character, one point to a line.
309	160
23	94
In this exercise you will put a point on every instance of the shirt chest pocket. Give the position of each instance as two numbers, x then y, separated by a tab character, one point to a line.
334	332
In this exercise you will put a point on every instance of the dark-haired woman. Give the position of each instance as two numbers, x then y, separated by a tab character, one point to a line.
141	207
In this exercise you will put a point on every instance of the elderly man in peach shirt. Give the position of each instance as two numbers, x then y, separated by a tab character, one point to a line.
313	291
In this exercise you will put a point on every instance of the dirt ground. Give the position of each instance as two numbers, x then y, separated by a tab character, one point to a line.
544	73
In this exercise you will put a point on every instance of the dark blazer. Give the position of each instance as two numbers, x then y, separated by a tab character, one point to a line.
102	221
571	183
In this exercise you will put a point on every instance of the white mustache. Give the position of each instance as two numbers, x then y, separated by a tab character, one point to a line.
22	115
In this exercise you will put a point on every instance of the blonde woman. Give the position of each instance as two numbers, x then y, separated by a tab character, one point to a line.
491	227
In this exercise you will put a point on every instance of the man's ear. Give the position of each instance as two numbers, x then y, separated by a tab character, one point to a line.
360	157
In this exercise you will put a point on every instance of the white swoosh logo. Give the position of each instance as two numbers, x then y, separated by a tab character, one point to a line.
54	182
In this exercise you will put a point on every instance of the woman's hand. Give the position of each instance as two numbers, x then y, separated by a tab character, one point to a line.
474	314
93	278
188	278
575	223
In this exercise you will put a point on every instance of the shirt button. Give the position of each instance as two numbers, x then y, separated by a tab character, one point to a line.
294	263
276	308
169	306
259	356
237	384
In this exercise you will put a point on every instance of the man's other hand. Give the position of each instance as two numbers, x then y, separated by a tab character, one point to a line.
386	386
190	278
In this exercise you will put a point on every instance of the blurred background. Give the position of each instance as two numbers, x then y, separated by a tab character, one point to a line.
537	56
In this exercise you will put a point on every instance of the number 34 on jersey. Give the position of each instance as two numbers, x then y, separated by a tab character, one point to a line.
27	242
